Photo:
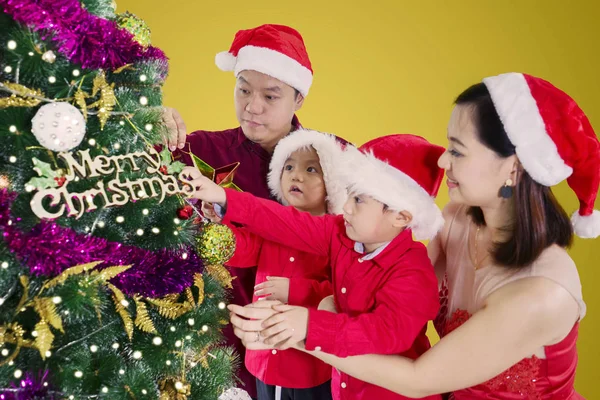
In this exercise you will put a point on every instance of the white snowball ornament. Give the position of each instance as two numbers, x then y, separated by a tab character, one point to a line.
235	394
58	126
49	57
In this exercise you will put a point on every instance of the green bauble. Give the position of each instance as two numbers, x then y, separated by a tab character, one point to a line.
215	244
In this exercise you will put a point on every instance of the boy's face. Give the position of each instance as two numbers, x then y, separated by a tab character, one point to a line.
302	182
369	222
264	107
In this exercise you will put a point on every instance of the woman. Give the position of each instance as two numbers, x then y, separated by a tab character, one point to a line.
510	315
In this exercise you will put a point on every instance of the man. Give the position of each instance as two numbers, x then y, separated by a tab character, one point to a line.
273	76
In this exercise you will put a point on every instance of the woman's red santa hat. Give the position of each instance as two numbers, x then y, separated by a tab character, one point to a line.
554	140
329	150
274	50
401	171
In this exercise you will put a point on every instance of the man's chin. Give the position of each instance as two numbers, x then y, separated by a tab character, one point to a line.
254	133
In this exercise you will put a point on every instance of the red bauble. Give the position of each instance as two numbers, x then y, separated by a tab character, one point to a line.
185	212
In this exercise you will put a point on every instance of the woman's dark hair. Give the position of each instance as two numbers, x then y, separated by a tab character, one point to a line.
538	220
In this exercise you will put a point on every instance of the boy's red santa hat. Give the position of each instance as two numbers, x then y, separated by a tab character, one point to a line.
554	140
274	50
329	150
400	171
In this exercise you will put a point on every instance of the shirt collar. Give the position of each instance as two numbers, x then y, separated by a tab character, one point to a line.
360	248
386	255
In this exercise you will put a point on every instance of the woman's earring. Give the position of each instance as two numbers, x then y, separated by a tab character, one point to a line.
506	191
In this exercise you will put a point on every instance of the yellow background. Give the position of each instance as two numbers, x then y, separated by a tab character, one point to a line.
396	66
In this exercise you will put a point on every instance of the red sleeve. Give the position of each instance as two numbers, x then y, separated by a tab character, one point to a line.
247	248
403	306
308	292
280	224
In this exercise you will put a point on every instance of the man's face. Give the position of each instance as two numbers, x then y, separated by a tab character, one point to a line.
264	107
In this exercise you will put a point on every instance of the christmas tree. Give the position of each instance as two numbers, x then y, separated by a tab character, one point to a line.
107	290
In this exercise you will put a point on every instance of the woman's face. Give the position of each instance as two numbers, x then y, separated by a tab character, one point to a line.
475	173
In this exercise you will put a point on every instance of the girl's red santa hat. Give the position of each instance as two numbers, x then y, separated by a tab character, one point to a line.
554	140
274	50
329	150
401	171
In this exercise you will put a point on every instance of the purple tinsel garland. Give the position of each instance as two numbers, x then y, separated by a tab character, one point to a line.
83	38
30	388
48	249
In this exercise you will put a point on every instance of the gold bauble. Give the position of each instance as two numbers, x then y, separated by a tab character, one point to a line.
215	243
136	26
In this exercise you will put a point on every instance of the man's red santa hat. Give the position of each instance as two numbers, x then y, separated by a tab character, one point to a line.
274	50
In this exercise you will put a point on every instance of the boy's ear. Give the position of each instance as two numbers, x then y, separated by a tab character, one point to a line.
402	219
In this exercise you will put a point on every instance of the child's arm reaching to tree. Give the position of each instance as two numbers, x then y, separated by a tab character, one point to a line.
268	219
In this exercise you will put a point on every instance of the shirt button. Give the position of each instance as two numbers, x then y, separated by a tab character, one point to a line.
318	348
360	260
274	351
292	259
343	385
343	290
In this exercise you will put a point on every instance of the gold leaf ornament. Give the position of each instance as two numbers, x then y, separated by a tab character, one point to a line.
46	309
120	301
43	340
142	319
220	274
199	283
21	96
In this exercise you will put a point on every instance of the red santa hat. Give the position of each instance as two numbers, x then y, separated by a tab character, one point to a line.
329	150
400	171
274	50
554	140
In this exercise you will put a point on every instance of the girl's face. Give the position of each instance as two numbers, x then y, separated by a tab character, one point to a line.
302	182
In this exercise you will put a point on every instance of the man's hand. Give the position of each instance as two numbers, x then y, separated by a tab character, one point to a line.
176	130
275	288
205	189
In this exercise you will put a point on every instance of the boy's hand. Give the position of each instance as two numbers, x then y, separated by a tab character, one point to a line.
287	328
275	288
328	304
208	210
205	189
